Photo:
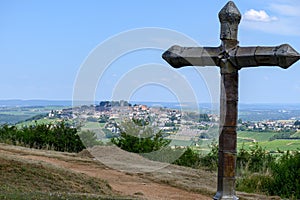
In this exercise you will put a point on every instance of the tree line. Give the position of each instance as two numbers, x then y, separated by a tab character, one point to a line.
58	137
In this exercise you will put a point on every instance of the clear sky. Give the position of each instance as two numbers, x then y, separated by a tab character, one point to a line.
44	46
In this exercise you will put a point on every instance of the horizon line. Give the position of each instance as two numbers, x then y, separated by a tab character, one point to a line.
142	101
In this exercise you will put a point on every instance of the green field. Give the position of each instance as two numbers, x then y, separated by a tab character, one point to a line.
255	136
248	139
93	125
296	135
273	146
13	115
40	121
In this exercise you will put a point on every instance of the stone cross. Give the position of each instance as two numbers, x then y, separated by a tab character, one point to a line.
230	57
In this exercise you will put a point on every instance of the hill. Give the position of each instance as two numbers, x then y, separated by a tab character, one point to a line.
25	176
37	174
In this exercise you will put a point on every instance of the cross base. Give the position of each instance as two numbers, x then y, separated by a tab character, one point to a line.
219	196
226	189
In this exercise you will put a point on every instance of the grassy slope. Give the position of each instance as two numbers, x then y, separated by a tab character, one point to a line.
297	134
24	180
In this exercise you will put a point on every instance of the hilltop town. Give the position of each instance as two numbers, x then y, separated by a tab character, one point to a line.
188	127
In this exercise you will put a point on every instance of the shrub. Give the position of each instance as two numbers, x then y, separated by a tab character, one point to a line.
189	159
255	183
193	159
138	138
59	137
89	138
255	160
286	173
210	160
260	172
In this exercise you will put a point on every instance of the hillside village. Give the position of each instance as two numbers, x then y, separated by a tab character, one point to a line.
271	125
177	124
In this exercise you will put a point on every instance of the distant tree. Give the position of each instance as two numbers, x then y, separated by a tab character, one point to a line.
103	118
204	135
115	103
191	116
189	158
241	128
109	134
194	116
169	124
297	123
140	122
282	135
139	139
204	118
36	117
92	119
89	138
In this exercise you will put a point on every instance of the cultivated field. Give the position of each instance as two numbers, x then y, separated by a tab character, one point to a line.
247	139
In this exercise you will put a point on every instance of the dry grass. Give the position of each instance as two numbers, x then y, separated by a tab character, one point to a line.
38	174
21	179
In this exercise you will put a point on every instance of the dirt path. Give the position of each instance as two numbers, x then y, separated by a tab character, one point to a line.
135	176
125	183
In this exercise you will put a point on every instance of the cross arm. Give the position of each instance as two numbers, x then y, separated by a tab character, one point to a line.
240	57
283	56
178	56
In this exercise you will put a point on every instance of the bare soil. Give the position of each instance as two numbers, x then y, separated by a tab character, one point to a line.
128	174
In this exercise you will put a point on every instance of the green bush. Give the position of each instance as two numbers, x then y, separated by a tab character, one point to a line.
286	173
255	183
210	161
59	137
255	160
137	138
89	138
261	172
189	159
193	159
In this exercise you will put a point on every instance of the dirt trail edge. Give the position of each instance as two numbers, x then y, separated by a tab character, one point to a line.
125	183
169	182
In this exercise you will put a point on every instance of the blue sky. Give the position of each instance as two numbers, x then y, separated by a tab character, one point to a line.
44	45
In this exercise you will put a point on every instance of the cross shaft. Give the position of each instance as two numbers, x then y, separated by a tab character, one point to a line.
230	57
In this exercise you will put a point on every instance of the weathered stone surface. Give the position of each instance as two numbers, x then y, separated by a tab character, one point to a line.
178	56
283	56
230	18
